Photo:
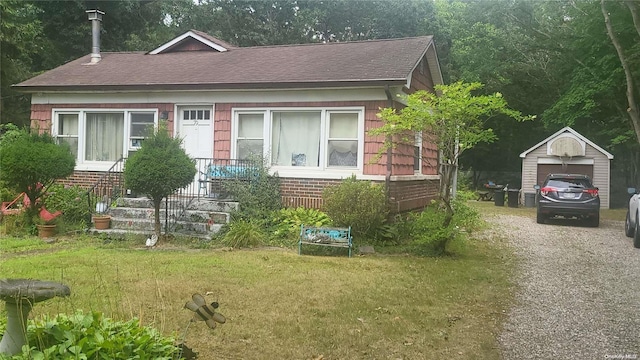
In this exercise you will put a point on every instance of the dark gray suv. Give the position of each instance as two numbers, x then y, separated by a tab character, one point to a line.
568	195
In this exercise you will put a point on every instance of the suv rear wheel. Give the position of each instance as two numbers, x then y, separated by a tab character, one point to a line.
636	234
594	220
540	218
628	230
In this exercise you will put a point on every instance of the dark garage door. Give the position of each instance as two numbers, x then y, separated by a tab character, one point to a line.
546	169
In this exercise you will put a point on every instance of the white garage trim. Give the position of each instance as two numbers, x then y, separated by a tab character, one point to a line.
555	160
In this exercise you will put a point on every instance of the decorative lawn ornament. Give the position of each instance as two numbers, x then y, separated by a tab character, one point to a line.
205	312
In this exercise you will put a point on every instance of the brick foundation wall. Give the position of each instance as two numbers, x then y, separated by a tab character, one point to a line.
412	195
304	192
404	195
84	179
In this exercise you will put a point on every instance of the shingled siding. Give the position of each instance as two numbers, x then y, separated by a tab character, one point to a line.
41	113
421	78
404	195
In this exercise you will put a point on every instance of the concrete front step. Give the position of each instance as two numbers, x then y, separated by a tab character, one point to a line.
202	216
122	234
203	203
148	225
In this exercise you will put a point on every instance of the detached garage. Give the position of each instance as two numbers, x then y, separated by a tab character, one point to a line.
567	152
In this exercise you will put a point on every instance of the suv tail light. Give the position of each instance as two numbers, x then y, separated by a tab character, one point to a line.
547	189
592	192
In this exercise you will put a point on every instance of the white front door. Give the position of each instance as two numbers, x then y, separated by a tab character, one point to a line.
195	127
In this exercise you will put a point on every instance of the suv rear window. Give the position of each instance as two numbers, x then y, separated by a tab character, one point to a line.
565	183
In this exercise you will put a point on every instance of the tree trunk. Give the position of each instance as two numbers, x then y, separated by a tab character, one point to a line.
156	207
634	115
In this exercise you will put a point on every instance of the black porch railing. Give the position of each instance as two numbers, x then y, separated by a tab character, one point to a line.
107	189
208	183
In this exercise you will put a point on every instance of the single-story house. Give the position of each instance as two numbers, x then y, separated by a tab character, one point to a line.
566	151
307	108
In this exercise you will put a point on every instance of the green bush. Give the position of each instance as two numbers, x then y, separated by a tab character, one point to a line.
92	336
359	204
258	197
32	162
6	193
396	231
288	221
243	234
427	232
465	216
158	168
72	201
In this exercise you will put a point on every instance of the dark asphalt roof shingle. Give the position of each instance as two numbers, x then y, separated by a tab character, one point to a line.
287	65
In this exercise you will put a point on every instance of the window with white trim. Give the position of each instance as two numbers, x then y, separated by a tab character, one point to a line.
99	137
67	131
417	153
295	138
342	141
250	141
140	122
309	138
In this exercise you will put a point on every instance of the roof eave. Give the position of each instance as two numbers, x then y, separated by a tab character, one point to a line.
208	86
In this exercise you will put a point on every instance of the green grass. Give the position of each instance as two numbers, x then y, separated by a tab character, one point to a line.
280	305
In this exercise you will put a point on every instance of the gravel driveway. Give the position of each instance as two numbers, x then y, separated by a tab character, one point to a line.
578	293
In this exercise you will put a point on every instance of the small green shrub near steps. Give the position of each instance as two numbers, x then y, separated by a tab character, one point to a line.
93	337
244	234
72	201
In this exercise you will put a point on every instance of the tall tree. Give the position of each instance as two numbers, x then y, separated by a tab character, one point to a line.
20	36
456	120
630	77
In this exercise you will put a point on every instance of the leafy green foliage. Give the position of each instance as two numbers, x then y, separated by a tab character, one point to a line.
288	221
430	237
359	204
243	234
93	337
160	167
31	163
72	201
258	197
454	118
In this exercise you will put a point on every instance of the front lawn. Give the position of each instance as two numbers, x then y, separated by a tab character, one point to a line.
283	306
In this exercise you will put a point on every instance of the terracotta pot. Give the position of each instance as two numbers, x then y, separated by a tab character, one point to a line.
102	222
46	231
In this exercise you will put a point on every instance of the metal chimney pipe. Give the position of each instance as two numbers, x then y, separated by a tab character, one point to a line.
95	16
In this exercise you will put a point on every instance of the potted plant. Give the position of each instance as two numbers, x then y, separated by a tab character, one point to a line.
101	221
46	227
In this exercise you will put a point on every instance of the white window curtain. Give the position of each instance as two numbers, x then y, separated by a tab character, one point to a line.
68	131
250	135
342	147
295	138
104	136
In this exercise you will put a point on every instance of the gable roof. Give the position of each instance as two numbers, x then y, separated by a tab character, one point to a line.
575	133
204	38
361	63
